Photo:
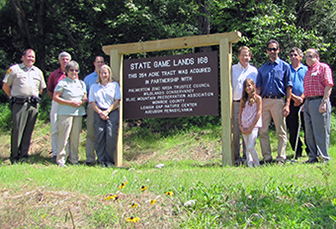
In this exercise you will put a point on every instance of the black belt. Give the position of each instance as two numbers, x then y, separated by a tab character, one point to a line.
237	101
22	100
273	97
314	97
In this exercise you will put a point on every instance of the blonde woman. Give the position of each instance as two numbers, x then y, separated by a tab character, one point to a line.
104	97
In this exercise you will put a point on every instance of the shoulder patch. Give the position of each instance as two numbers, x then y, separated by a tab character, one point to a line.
8	71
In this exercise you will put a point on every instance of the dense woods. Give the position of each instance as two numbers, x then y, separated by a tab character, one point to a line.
82	27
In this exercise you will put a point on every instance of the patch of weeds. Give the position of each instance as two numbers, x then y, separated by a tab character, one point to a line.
274	205
104	217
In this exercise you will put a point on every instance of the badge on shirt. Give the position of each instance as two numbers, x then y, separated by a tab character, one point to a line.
8	71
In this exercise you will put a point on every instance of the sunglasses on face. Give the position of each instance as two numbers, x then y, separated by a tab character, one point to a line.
293	54
272	49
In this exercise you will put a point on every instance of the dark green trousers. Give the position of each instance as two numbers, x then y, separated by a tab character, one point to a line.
24	117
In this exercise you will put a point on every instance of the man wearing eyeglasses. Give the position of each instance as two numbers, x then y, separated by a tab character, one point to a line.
273	84
89	80
54	78
298	71
317	83
240	72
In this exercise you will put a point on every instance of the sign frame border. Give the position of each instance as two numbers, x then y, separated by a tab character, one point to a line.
224	40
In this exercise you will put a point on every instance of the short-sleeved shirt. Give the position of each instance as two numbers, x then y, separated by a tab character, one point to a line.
318	76
89	80
239	75
273	78
297	79
72	90
24	81
54	78
104	96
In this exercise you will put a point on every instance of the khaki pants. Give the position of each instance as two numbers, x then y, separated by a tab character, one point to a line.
273	108
69	128
237	133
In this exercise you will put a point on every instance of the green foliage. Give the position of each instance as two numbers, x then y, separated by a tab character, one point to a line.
44	108
103	217
272	205
333	128
5	118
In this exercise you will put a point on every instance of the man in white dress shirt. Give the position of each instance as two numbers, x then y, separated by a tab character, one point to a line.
240	72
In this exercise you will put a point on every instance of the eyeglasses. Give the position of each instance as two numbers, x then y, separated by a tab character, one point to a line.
309	56
73	70
272	49
292	55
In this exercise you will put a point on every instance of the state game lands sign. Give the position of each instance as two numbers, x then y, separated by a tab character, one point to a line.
171	86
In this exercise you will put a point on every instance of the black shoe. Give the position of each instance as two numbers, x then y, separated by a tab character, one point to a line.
73	163
102	164
90	163
311	161
109	165
53	159
266	162
14	162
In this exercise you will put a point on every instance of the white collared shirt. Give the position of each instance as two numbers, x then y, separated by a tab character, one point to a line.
239	75
104	96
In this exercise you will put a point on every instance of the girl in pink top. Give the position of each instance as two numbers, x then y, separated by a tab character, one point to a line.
250	120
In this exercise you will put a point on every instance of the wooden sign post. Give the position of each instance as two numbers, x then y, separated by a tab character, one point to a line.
224	40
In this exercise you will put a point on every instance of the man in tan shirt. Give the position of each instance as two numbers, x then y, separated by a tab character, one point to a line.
23	83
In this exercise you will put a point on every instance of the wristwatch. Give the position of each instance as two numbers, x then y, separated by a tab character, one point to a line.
324	101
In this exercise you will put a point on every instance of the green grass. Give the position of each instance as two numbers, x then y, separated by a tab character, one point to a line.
42	195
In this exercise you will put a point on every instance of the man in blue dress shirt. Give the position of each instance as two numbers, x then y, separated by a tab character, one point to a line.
273	83
298	71
89	80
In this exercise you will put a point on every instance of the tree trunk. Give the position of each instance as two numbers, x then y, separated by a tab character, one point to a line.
23	24
204	21
41	36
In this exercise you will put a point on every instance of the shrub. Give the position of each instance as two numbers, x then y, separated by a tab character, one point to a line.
5	117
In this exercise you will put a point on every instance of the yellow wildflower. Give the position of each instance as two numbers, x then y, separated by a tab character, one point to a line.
143	188
112	197
134	205
152	202
132	219
170	193
123	185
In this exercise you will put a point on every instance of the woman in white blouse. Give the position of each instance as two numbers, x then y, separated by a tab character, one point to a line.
105	98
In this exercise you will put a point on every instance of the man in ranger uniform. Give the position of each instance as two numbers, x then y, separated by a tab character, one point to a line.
23	83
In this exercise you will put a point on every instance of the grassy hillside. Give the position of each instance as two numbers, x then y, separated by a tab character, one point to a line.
192	190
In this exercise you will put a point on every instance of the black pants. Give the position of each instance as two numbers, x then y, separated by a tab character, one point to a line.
292	122
106	137
24	116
